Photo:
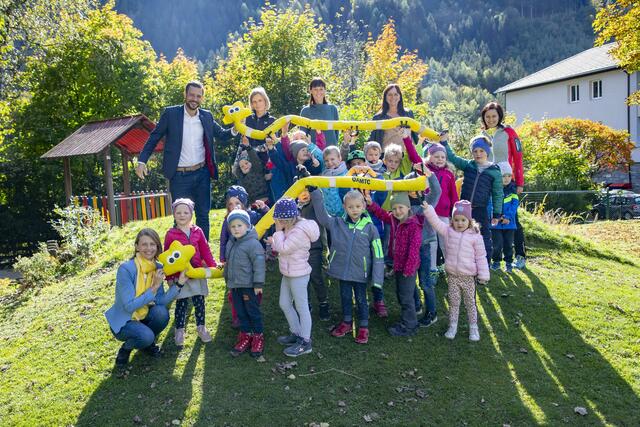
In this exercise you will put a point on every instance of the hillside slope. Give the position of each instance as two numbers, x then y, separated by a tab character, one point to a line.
561	334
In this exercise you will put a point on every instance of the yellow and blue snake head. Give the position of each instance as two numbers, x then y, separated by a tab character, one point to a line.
176	258
235	113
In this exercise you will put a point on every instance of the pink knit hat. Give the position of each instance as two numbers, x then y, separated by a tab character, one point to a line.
183	201
462	207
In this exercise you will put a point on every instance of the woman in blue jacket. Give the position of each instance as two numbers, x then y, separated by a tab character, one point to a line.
139	312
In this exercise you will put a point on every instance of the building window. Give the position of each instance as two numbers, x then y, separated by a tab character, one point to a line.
574	93
596	89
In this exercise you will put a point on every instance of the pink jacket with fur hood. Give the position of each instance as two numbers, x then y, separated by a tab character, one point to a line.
466	255
293	247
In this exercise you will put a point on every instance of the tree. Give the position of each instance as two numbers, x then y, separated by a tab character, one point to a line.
620	20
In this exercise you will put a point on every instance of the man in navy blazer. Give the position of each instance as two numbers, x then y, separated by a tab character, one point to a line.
189	159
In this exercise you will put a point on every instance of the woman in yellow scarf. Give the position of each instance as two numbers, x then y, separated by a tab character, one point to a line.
139	312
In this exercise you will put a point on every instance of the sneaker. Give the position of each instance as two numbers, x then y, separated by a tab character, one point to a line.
495	265
380	309
451	332
204	335
399	330
509	268
123	357
299	348
428	320
342	329
323	310
257	345
153	350
520	263
179	337
419	310
242	344
363	336
474	333
288	339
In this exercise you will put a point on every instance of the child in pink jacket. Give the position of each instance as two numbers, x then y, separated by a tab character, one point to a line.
292	240
466	260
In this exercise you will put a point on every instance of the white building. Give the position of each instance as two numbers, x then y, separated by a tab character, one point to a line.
589	85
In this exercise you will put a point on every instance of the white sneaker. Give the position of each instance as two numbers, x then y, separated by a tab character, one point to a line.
179	337
474	333
452	331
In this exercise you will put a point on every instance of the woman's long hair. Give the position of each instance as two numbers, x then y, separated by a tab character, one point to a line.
385	105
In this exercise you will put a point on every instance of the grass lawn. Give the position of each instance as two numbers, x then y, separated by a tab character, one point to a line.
563	333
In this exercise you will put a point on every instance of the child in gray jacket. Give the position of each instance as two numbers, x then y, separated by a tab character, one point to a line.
355	257
244	274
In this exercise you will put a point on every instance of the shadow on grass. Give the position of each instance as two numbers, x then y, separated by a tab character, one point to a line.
553	369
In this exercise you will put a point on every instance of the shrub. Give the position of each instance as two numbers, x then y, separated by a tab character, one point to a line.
38	270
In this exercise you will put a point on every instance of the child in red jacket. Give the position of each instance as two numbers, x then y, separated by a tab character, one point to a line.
189	234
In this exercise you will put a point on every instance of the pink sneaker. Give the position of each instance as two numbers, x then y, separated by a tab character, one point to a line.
380	309
204	335
179	337
342	329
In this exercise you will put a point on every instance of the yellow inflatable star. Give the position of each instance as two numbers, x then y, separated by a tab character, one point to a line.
178	258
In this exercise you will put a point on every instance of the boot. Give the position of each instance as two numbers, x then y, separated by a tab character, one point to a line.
363	336
380	309
342	329
257	345
452	331
123	357
242	344
474	333
204	335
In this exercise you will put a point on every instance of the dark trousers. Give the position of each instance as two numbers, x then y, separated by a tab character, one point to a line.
196	186
406	290
316	261
502	243
378	294
247	305
142	334
518	239
347	291
481	216
182	305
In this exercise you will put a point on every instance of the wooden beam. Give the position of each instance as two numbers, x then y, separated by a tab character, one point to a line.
126	183
67	180
108	176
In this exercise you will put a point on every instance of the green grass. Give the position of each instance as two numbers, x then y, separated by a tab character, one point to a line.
561	334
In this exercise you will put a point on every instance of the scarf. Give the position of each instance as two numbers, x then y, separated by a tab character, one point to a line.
378	167
340	170
144	278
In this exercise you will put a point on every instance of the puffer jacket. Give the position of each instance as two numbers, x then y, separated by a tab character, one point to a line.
466	255
202	257
356	251
449	195
245	267
293	247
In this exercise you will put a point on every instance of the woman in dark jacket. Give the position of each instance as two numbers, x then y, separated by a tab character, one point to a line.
392	106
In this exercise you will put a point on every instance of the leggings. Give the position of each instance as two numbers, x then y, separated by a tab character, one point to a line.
181	310
465	285
294	290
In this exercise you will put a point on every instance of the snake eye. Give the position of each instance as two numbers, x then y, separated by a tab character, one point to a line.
176	254
234	110
170	260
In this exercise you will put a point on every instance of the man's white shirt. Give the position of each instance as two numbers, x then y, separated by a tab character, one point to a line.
192	141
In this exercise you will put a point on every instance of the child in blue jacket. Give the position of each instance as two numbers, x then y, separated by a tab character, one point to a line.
502	234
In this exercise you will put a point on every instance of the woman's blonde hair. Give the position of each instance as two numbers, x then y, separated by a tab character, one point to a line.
260	91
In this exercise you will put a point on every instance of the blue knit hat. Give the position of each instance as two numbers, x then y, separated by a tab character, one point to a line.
480	141
240	214
285	208
239	192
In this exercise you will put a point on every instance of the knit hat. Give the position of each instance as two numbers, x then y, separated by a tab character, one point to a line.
243	155
505	168
371	144
239	192
462	207
400	198
434	148
355	154
183	201
240	214
285	208
296	146
481	141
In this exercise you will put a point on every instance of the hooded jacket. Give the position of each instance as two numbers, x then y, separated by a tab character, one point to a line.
245	267
293	247
356	251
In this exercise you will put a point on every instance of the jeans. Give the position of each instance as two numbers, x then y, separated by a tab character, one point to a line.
518	239
406	289
347	290
481	215
196	186
142	334
247	305
426	281
316	261
502	243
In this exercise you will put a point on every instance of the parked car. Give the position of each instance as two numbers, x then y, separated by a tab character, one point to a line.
622	205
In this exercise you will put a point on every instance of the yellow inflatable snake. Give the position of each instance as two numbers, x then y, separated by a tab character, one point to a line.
237	112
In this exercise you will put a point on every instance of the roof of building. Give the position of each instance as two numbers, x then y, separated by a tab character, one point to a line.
128	133
590	61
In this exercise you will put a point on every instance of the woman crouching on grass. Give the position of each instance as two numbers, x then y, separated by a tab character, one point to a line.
140	312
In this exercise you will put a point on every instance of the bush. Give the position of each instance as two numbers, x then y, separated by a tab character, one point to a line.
38	270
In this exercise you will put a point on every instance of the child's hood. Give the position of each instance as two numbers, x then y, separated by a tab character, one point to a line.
251	234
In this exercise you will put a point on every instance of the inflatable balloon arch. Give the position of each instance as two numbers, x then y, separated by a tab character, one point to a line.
177	257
